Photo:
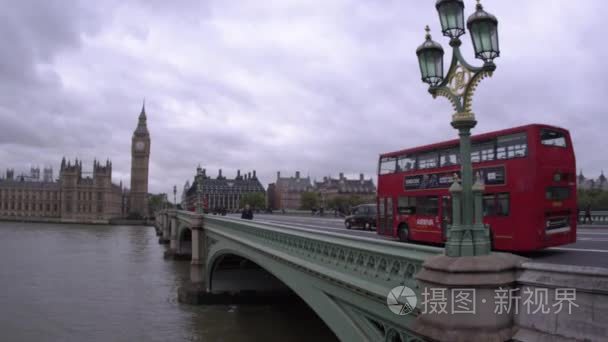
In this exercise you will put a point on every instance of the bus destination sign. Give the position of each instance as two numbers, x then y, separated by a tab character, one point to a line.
490	176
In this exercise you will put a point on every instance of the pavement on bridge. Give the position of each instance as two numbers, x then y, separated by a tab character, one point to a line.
591	249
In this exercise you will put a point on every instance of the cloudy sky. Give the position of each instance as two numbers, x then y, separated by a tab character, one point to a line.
278	85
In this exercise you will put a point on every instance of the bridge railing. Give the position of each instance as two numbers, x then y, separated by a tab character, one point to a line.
372	265
597	218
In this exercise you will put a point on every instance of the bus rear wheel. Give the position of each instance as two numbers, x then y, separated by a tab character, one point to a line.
368	226
404	233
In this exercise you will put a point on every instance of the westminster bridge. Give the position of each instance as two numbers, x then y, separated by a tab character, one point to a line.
350	283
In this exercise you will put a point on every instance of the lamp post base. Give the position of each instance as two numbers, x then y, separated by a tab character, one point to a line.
468	241
470	285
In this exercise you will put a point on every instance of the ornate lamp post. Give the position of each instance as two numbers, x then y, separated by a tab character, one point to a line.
467	235
199	190
175	195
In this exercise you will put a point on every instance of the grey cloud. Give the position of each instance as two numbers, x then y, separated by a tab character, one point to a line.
319	87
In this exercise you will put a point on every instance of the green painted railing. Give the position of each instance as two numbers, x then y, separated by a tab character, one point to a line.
372	265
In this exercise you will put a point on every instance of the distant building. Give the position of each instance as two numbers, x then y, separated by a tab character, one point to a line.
140	160
185	194
33	176
600	183
331	188
270	197
75	197
48	174
288	191
221	192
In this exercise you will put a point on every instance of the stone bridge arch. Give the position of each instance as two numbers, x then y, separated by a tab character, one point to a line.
180	246
331	303
184	241
229	265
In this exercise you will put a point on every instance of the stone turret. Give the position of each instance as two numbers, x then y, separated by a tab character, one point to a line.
47	174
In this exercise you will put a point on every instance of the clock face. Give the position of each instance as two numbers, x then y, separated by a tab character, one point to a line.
139	146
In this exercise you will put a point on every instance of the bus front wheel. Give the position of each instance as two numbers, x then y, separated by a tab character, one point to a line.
404	233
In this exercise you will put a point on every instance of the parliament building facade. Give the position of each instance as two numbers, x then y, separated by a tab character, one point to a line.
77	196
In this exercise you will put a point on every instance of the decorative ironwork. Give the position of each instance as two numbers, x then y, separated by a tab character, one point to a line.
461	82
372	261
379	328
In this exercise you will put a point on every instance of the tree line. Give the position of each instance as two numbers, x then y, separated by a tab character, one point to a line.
596	198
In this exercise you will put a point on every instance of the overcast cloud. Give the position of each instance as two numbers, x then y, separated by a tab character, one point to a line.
278	85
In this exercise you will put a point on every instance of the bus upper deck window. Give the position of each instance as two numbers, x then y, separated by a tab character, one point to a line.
387	165
552	138
406	163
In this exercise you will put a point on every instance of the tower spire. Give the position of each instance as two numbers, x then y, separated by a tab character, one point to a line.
142	128
142	115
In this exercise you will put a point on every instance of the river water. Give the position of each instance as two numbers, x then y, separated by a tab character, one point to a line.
111	283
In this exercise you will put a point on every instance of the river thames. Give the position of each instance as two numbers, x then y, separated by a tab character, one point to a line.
111	283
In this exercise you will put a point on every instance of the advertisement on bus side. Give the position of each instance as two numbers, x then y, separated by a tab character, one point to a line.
489	175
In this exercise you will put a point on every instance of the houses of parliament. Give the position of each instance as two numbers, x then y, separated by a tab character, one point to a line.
77	196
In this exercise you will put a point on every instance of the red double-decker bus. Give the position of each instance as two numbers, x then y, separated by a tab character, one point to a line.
529	200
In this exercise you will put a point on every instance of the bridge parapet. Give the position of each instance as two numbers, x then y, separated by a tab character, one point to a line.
586	319
596	218
368	265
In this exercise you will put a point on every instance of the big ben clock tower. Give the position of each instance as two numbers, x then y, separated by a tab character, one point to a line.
140	157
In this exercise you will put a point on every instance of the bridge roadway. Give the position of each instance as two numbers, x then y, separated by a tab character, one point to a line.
591	249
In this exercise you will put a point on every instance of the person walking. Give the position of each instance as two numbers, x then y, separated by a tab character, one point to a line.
247	213
588	214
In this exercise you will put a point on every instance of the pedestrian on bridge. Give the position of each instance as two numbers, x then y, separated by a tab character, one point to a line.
588	214
247	213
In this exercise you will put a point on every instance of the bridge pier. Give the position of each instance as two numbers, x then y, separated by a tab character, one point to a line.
165	232
160	224
175	250
480	277
173	233
194	291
